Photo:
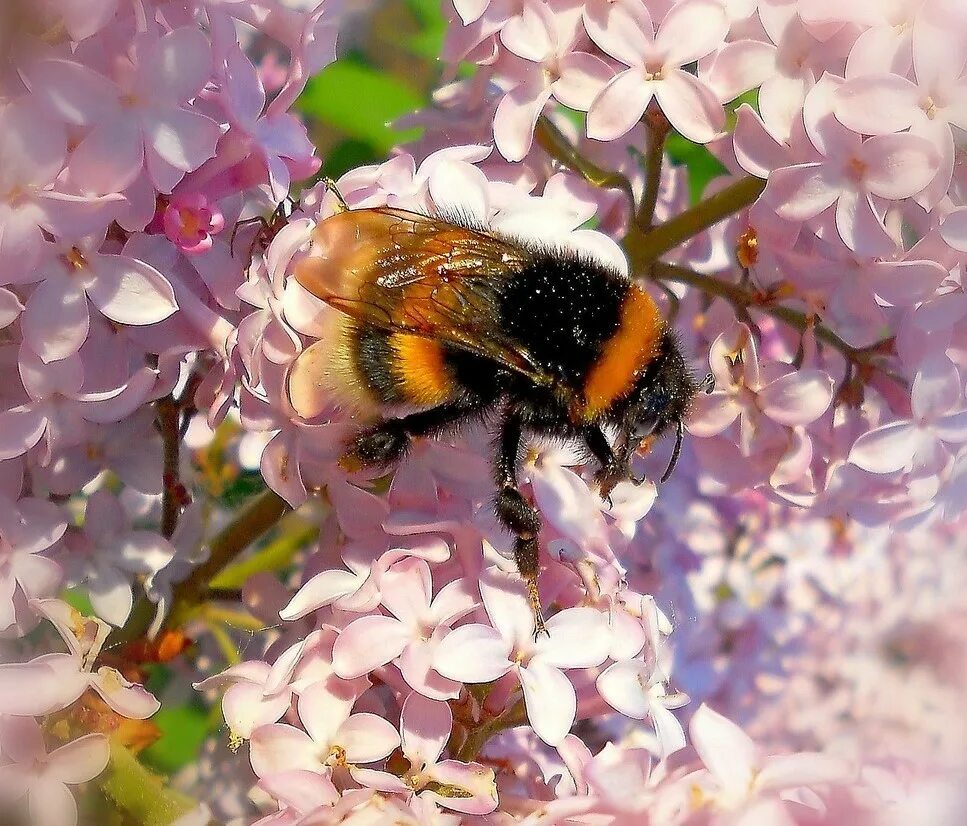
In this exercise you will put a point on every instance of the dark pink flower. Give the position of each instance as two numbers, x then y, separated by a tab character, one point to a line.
190	222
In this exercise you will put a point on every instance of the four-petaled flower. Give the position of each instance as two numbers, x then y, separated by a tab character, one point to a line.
577	638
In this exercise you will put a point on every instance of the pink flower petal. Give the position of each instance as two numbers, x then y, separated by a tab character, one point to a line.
619	105
577	638
798	398
470	10
80	760
10	308
176	66
110	156
74	92
416	667
33	145
624	685
453	601
126	698
898	166
111	595
740	66
321	590
877	105
622	30
801	192
20	429
550	700
56	321
322	712
726	750
937	387
245	708
952	428
479	781
26	689
181	139
407	589
473	654
301	790
426	726
50	801
505	599
115	405
906	282
690	30
375	779
460	188
568	504
954	229
886	449
366	738
531	34
280	747
757	150
130	291
690	106
582	77
712	413
671	735
367	643
860	226
516	117
806	768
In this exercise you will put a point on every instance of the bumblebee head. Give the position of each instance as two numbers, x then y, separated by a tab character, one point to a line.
659	402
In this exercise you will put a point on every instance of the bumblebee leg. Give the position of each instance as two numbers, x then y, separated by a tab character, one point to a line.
612	470
517	514
385	443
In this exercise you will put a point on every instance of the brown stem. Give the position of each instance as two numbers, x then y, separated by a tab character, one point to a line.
658	128
744	299
254	520
261	514
644	248
477	738
553	141
166	410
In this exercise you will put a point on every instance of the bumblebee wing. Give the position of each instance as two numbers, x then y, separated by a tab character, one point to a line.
406	272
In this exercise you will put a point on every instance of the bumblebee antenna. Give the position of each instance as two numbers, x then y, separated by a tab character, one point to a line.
676	452
331	186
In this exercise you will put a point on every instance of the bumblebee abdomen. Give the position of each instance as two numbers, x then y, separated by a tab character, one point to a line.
402	369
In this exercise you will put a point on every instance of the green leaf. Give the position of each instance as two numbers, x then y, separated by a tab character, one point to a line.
433	27
702	165
78	599
244	486
360	102
346	155
274	556
183	731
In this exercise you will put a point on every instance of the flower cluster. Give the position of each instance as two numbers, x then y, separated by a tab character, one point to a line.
131	136
807	551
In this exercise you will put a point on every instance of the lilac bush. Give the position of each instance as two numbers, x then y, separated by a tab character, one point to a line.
773	636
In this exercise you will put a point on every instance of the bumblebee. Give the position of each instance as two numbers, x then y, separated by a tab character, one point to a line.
443	323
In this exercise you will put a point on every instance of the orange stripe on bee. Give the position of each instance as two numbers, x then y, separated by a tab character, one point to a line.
625	355
419	365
